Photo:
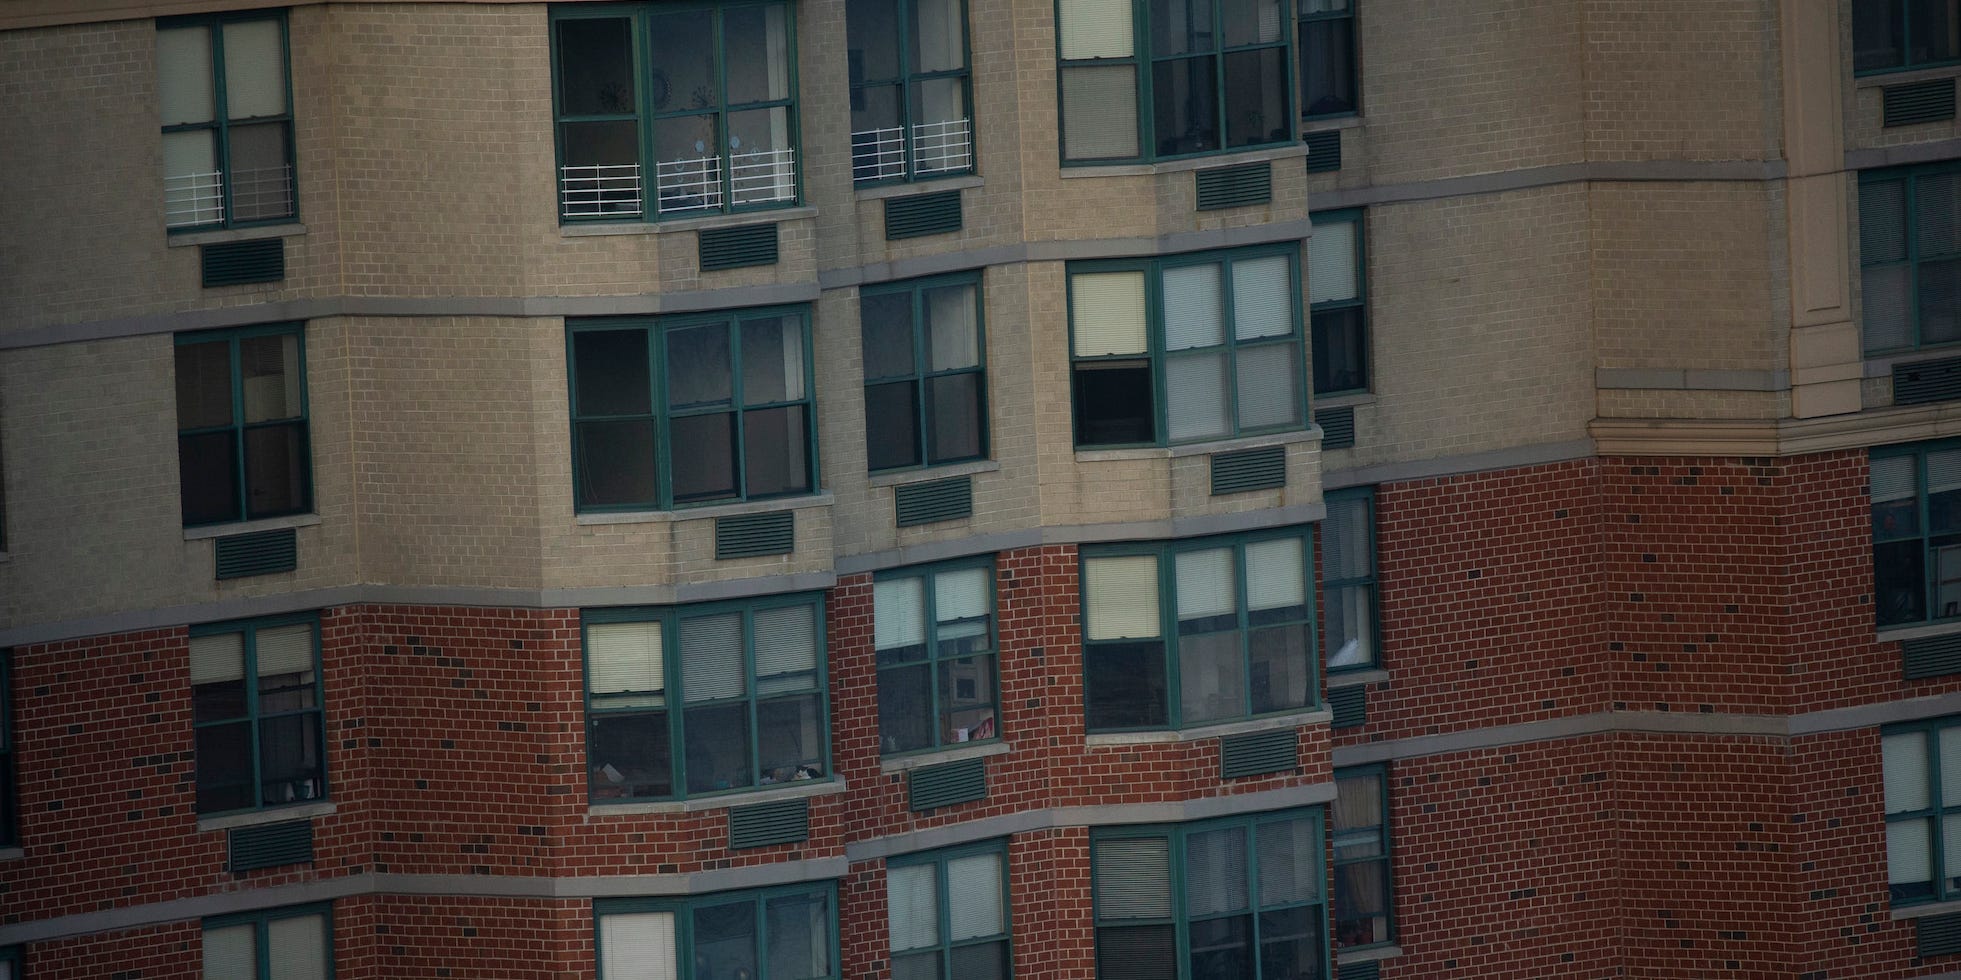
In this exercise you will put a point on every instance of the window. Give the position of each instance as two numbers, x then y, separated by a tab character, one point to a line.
707	92
779	934
934	632
1327	46
1245	903
910	95
1892	35
1337	295
925	390
1186	349
9	834
1361	832
1916	533
282	944
1348	579
1910	257
1922	764
949	914
255	690
242	448
10	968
227	114
739	704
693	409
1239	610
1159	79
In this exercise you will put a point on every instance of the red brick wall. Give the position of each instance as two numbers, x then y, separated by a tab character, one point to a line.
167	952
412	938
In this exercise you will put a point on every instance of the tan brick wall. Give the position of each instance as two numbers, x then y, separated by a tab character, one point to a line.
1682	80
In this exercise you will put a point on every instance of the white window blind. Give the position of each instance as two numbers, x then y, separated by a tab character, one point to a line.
217	658
1892	478
637	946
1944	471
952	336
786	649
1262	298
711	657
1331	262
1099	111
974	897
255	70
1909	858
1268	386
285	650
184	92
960	602
298	947
1205	583
899	612
1121	597
1193	307
1904	761
1195	396
624	657
912	906
1132	878
1274	574
1095	29
1108	312
1287	862
231	952
1215	871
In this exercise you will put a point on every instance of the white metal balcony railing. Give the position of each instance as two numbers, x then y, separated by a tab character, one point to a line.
937	147
193	199
606	190
761	176
756	177
263	193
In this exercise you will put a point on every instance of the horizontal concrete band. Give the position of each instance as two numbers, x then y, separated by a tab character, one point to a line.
1680	379
1529	178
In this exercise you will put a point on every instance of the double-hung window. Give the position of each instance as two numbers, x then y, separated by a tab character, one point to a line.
1922	769
242	448
1916	533
227	114
255	694
705	699
787	933
672	110
280	944
1338	299
1186	348
10	968
934	634
9	834
1235	898
1197	632
925	386
911	96
1910	257
692	409
948	912
1361	848
1327	46
1348	579
1895	35
1161	79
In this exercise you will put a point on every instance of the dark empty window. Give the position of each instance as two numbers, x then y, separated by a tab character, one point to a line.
1327	52
255	690
1339	301
1892	35
241	425
925	391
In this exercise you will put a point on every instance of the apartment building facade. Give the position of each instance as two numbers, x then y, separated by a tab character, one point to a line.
979	488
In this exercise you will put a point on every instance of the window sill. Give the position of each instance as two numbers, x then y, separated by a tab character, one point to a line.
205	531
928	186
1926	908
1348	400
1351	121
814	787
1905	76
1311	433
1356	678
1316	716
1286	152
13	854
236	235
1895	634
1368	954
924	759
644	227
931	473
255	818
701	513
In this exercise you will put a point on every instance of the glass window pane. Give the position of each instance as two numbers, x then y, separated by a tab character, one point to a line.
1290	944
204	385
1121	597
610	372
1931	24
1136	953
1181	27
224	767
637	946
193	190
878	145
967	700
1263	298
688	168
1251	22
1878	36
1899	581
872	45
1208	589
208	478
698	366
1269	385
217	659
961	595
1358	806
1185	100
298	948
790	739
1905	765
786	649
1275	576
1124	685
757	39
1114	403
885	322
899	614
717	747
711	657
703	457
1937	205
799	937
774	451
616	463
595	65
939	36
1350	625
255	70
684	73
231	951
1222	948
1195	396
276	469
1211	677
1886	307
1099	111
1215	871
1289	857
184	91
912	906
285	650
952	327
1095	29
762	158
1327	54
1256	97
892	425
262	180
725	940
1940	301
1331	262
269	369
772	360
905	708
1909	853
1345	550
1361	911
631	756
954	413
983	961
1194	306
1882	222
1280	669
626	658
974	906
942	132
289	758
1106	313
917	966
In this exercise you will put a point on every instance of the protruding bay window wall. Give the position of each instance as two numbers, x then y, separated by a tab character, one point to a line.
911	105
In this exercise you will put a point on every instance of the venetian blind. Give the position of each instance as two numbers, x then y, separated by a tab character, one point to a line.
637	946
973	885
1121	596
624	657
217	658
1132	877
711	657
285	650
297	948
912	907
1107	309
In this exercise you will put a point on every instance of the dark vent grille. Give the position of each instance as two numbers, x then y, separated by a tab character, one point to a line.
733	248
922	214
1259	753
764	824
1920	102
1934	656
930	503
1927	381
1372	970
1349	705
1337	427
1232	187
258	553
1937	935
1249	469
236	263
749	535
956	782
1323	151
271	845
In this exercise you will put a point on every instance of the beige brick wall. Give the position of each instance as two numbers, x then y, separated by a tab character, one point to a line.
1682	80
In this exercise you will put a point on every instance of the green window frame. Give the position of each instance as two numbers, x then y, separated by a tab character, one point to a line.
274	944
1910	257
707	92
257	712
911	90
1338	302
1348	569
243	441
1901	35
925	357
689	410
9	802
1923	809
743	705
947	914
1329	80
784	933
934	637
1915	493
1168	79
1186	348
225	103
1241	608
1238	897
1364	908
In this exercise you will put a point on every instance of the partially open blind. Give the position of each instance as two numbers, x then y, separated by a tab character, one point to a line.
1107	309
217	658
1121	597
625	657
285	650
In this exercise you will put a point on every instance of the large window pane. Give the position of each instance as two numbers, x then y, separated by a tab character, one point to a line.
611	368
717	743
1256	97
1099	112
1327	57
790	739
703	454
1185	101
616	463
1125	685
725	940
954	408
595	63
799	937
208	480
905	708
773	442
892	425
630	756
773	367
